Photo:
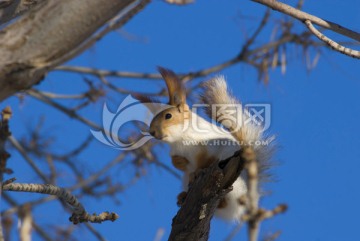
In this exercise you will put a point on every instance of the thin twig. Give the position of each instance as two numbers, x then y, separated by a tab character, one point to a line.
4	155
110	73
26	221
97	175
241	57
95	232
28	159
78	185
38	95
258	30
253	194
129	92
79	214
43	234
303	16
331	43
61	96
233	232
179	2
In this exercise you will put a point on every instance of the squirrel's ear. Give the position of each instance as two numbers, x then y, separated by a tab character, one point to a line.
176	89
183	108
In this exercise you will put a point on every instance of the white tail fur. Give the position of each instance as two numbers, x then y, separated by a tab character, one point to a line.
215	91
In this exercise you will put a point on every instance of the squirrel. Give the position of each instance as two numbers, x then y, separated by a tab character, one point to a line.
196	142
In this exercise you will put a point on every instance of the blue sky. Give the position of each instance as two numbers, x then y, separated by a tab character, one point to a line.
315	115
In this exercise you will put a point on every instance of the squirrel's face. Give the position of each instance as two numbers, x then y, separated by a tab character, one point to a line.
169	124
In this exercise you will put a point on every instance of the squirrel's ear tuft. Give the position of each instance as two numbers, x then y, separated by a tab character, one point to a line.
176	89
182	108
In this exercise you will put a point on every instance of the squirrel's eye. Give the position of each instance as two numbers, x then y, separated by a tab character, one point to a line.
168	116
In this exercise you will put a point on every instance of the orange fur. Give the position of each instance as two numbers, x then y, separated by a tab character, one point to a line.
160	124
222	203
203	160
177	92
179	162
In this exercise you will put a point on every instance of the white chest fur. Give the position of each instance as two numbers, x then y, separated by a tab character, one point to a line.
221	149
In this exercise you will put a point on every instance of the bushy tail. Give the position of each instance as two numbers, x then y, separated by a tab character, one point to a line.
215	91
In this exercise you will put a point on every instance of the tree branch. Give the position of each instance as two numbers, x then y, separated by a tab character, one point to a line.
210	185
114	23
42	233
27	158
331	43
79	214
4	135
113	73
302	16
4	155
26	57
14	8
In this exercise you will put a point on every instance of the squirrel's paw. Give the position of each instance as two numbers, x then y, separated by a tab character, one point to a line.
181	198
179	162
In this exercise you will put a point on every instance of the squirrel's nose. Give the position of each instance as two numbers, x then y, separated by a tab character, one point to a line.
152	133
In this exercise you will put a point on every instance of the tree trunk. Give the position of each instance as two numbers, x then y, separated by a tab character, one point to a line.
43	37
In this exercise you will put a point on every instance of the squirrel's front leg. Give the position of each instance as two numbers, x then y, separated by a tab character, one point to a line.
179	162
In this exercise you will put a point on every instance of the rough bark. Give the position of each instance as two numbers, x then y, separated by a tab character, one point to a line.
13	8
210	185
42	38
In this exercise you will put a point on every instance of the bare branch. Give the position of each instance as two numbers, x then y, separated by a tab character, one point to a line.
243	56
192	222
43	234
95	232
4	135
302	16
79	214
99	72
159	234
4	155
179	2
25	60
233	232
252	202
331	43
26	223
258	30
71	113
27	158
